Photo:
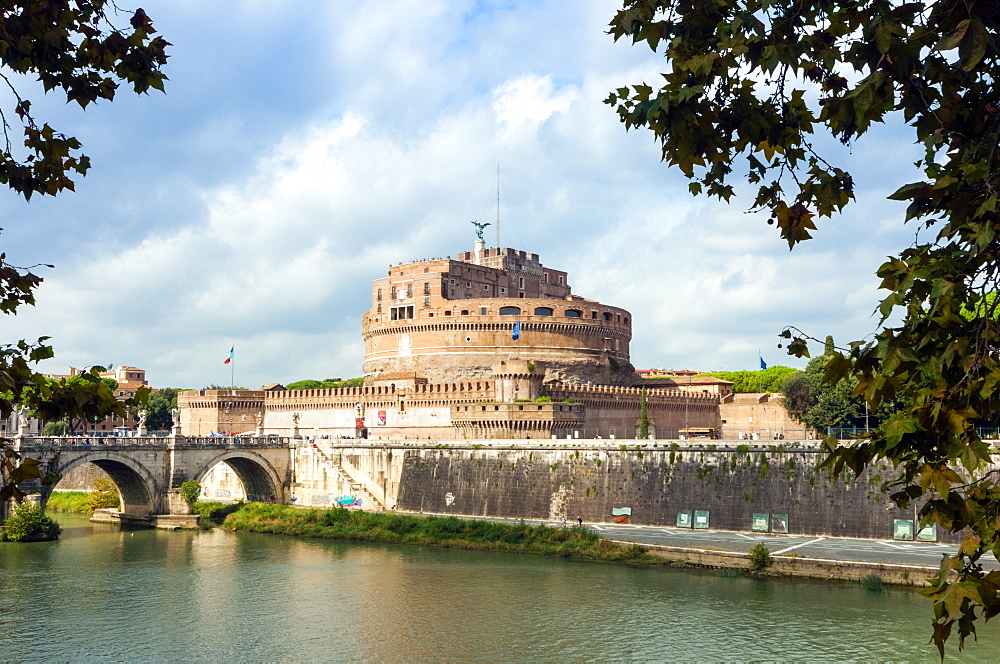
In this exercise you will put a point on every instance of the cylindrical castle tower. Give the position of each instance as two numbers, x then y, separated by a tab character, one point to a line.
444	320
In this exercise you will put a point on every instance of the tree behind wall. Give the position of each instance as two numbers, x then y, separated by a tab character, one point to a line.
643	417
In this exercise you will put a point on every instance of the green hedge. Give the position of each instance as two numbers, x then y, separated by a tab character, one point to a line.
74	502
358	526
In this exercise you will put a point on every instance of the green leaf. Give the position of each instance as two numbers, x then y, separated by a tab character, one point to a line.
954	37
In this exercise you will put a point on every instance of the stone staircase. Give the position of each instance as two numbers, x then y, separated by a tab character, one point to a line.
348	474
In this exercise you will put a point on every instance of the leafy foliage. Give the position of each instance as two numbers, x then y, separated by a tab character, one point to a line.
821	405
329	383
161	405
14	469
103	495
359	526
29	524
189	491
74	502
71	46
760	557
55	429
643	417
768	380
215	510
747	85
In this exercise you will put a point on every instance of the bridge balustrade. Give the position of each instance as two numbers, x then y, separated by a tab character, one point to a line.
231	441
106	442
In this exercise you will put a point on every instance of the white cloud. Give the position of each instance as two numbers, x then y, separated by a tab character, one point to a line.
254	204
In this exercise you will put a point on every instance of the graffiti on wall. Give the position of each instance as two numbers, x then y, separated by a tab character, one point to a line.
348	501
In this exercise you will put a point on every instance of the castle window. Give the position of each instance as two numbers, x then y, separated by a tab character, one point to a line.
521	294
502	290
468	339
401	313
378	294
409	290
626	320
447	313
593	314
427	289
427	301
465	312
573	313
378	309
510	311
618	318
393	293
606	316
543	311
546	277
468	284
486	287
560	280
451	281
482	311
520	282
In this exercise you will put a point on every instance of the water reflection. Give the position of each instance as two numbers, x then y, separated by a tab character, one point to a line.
101	593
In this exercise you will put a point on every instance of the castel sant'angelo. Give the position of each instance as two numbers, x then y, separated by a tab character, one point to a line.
489	344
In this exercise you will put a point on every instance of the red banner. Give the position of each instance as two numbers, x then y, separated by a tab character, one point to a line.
359	422
381	418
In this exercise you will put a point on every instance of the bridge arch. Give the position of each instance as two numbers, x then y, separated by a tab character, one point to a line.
259	478
139	491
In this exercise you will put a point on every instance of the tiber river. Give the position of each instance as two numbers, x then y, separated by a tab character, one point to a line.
103	594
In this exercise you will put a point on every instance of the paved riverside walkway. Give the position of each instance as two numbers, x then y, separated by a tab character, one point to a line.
926	554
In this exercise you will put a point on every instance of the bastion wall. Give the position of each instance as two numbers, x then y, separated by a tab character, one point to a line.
590	478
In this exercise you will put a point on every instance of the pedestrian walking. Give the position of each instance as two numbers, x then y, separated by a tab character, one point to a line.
579	521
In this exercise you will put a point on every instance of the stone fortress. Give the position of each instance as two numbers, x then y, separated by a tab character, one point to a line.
490	389
488	345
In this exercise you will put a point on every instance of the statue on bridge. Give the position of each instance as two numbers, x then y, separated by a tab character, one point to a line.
22	421
259	419
175	415
141	429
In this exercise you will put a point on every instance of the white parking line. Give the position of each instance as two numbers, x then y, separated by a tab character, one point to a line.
791	548
746	536
895	546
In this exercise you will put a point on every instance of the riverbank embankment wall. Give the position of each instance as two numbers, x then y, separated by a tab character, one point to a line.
657	481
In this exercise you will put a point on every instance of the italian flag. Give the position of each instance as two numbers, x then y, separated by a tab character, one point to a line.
232	355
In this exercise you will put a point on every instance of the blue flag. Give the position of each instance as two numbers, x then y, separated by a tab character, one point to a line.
763	364
516	334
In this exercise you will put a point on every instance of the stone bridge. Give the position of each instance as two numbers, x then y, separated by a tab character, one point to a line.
150	470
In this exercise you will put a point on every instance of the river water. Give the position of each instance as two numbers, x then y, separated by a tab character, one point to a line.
101	593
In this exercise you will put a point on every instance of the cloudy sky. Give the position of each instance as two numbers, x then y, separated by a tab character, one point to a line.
301	147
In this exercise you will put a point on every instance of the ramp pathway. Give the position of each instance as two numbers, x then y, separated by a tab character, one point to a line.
832	548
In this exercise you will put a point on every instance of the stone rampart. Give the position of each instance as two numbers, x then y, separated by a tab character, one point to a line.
556	478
